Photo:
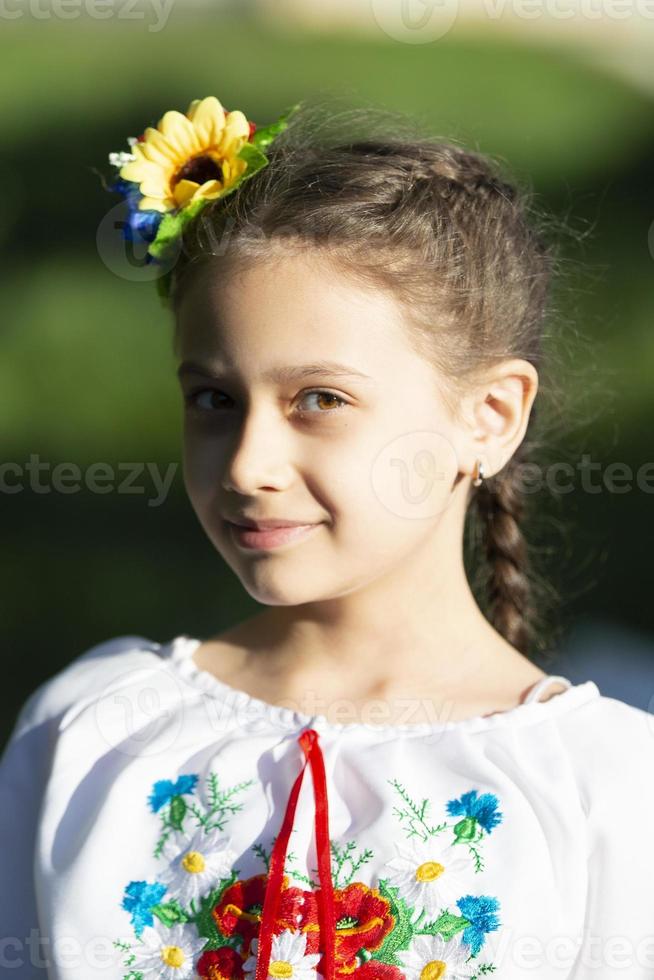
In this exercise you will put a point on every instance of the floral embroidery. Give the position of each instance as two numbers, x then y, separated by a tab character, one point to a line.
201	918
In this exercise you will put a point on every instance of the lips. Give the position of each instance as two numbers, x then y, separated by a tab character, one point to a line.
272	537
268	523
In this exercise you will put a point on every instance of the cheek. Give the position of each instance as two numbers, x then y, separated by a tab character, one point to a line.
399	487
339	478
202	470
412	477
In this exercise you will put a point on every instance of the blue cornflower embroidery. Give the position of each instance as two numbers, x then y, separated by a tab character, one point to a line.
480	809
164	790
480	911
138	899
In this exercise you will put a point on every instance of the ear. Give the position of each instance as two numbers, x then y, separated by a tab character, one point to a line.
497	412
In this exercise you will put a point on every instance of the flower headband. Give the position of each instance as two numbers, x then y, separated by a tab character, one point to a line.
172	171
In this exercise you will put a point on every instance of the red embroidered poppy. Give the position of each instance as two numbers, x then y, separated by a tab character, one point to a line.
363	920
240	908
220	964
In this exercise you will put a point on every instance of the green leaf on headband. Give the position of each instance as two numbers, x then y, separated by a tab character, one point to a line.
254	157
264	136
172	225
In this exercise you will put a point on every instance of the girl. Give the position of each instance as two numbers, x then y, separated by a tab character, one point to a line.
359	317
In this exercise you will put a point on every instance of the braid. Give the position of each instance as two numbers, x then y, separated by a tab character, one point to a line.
501	509
515	593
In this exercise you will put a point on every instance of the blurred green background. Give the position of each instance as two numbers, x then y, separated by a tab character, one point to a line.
86	369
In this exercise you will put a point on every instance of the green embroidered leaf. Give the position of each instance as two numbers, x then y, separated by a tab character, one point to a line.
205	922
167	831
339	859
213	790
127	962
219	800
466	829
311	883
415	814
479	861
447	925
402	932
260	851
170	913
177	812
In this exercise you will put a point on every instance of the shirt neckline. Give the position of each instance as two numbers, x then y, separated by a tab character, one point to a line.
179	652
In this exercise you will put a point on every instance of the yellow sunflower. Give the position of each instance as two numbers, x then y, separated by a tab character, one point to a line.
188	157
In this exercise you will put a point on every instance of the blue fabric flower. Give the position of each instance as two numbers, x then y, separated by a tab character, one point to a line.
483	809
164	790
481	913
139	898
141	226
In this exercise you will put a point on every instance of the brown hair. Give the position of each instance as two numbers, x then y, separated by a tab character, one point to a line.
458	242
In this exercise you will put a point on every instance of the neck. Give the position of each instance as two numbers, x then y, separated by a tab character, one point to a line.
423	623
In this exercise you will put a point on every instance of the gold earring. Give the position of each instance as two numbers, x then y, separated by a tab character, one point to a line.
479	474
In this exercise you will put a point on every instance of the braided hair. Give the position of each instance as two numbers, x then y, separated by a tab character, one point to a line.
455	240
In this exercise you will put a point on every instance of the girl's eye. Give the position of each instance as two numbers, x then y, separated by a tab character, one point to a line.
327	396
193	400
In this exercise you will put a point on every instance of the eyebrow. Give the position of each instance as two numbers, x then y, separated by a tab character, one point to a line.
285	374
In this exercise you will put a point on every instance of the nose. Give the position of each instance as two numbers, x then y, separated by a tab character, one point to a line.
260	456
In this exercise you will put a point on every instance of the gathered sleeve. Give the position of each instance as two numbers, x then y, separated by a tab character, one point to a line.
25	768
613	751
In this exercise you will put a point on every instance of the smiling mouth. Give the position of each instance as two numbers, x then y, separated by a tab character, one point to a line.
265	524
267	538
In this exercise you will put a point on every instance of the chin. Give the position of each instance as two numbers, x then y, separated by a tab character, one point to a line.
268	595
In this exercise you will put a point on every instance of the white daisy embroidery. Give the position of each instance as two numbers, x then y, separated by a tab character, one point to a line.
428	875
288	958
199	864
167	954
431	956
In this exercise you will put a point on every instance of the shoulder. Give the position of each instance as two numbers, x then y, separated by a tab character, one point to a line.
608	721
86	677
610	745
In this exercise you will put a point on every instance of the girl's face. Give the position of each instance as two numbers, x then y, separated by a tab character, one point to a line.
365	452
